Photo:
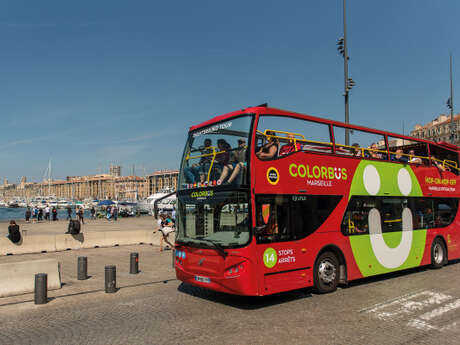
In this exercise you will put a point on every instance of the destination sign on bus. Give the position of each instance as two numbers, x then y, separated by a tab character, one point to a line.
212	129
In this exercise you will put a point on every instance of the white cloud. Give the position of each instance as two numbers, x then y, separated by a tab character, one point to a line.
22	142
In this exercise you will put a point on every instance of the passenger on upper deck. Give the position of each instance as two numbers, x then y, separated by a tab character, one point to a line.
270	149
289	147
237	163
357	152
413	159
223	155
399	157
373	152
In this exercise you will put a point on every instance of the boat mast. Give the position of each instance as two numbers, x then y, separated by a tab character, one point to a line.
49	178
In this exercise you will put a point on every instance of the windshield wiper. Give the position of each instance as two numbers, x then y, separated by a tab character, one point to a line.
219	248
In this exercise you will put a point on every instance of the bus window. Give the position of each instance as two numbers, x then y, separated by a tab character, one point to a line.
355	220
426	213
391	213
272	220
424	216
445	210
435	212
220	217
293	217
292	135
232	216
216	155
362	144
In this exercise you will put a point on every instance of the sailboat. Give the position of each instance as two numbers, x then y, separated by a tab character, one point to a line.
49	200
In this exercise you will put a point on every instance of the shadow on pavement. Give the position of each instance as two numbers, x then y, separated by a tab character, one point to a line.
256	302
245	302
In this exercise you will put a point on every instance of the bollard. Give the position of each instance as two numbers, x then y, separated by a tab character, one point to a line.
110	279
134	263
41	288
82	268
174	258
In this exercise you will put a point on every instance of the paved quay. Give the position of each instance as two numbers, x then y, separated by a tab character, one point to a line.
420	306
150	270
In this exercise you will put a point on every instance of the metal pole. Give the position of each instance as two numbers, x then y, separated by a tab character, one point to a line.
174	258
41	288
345	67
452	134
134	263
82	268
110	279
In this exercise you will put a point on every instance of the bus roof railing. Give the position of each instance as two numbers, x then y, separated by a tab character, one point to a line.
351	149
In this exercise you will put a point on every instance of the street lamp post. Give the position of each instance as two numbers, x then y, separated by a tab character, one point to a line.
348	82
450	105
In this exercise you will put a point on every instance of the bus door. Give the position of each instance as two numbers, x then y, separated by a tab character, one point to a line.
280	258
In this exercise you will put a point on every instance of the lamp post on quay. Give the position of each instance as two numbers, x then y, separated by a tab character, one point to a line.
348	82
450	105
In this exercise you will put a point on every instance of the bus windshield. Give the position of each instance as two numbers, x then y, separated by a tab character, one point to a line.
216	155
213	218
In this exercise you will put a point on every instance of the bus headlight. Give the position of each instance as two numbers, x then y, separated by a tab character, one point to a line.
234	271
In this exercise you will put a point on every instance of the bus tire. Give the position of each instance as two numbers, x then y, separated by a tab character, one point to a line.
438	253
326	273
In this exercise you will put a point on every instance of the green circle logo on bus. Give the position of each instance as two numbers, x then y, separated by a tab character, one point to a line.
270	258
379	252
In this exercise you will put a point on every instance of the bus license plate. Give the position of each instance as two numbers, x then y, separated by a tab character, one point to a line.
202	279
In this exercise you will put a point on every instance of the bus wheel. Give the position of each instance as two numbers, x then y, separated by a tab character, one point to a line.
438	254
326	273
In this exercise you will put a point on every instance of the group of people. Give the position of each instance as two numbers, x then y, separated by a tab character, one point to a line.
227	165
396	156
271	150
80	214
271	147
37	214
111	212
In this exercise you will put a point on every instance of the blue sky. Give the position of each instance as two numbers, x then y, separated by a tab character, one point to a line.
90	83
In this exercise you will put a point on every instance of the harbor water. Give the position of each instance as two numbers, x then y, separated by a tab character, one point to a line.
19	213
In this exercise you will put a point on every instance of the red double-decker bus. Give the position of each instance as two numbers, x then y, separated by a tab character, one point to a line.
270	200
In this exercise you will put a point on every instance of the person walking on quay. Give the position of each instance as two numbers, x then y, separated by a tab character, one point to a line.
93	212
80	215
108	213
13	232
115	213
54	213
69	212
112	211
34	214
47	213
165	229
28	214
40	215
159	221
